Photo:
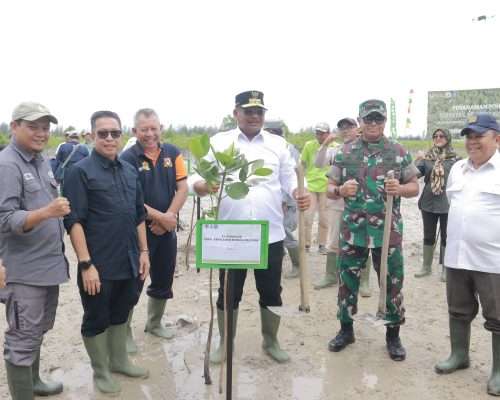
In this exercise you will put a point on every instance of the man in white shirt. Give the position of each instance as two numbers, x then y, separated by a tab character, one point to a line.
263	202
473	254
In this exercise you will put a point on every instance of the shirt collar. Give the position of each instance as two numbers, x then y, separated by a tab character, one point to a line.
25	155
105	162
494	161
258	137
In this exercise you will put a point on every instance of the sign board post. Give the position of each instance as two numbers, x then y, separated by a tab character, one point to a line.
231	245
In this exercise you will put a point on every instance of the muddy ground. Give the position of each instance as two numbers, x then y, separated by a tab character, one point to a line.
361	371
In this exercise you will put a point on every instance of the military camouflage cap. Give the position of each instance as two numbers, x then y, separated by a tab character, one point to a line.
30	111
372	106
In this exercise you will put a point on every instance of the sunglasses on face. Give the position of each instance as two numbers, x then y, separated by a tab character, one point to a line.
438	136
103	134
251	111
377	119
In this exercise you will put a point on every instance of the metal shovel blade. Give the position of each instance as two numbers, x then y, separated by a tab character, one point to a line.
286	311
375	320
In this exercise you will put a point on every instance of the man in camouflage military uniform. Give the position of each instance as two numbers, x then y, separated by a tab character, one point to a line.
358	175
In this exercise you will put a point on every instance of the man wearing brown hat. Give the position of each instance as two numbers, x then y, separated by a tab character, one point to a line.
359	176
263	202
31	247
473	245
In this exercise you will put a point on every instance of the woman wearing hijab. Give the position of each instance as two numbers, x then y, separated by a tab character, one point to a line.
435	167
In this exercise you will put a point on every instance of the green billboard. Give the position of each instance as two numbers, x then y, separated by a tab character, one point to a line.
450	108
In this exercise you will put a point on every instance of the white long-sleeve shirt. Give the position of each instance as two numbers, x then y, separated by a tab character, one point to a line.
473	241
264	201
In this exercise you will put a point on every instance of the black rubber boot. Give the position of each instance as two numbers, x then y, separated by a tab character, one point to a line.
394	347
344	338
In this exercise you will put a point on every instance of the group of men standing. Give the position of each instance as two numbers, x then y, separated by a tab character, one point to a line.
121	219
120	213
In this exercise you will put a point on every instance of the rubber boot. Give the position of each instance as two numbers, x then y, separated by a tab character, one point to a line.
20	382
97	349
460	340
41	388
441	261
364	279
156	308
217	356
343	338
393	343
494	381
131	345
270	325
330	277
118	356
293	252
427	262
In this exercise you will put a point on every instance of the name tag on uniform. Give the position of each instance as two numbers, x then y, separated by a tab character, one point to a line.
28	176
145	166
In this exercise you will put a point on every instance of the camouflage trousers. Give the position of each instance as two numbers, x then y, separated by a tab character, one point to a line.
351	260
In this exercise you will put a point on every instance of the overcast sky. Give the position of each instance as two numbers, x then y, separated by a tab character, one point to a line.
314	60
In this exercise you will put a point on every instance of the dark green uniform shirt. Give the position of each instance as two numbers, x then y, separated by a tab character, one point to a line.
368	164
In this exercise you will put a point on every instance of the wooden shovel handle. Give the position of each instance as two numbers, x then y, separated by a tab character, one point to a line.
385	251
303	273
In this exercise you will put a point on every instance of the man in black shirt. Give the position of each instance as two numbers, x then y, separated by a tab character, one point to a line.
107	230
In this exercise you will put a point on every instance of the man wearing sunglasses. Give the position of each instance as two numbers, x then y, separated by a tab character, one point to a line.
108	232
163	178
264	202
359	176
473	245
31	248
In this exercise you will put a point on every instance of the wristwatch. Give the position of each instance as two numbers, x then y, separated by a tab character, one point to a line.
84	265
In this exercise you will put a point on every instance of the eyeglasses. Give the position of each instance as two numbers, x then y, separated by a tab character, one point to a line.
438	136
115	134
254	110
370	119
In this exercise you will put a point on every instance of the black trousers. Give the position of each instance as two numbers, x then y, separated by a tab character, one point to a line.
267	281
430	226
162	257
109	307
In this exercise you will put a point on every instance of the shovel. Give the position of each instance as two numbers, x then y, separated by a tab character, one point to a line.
304	307
379	318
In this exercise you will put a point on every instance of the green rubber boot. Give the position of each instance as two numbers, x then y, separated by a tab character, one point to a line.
293	252
460	340
364	279
427	262
118	356
217	356
41	388
131	345
270	325
20	381
330	277
97	349
494	381
156	308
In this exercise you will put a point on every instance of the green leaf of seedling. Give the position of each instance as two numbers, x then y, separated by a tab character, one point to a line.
225	159
237	190
243	173
263	171
256	164
199	146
